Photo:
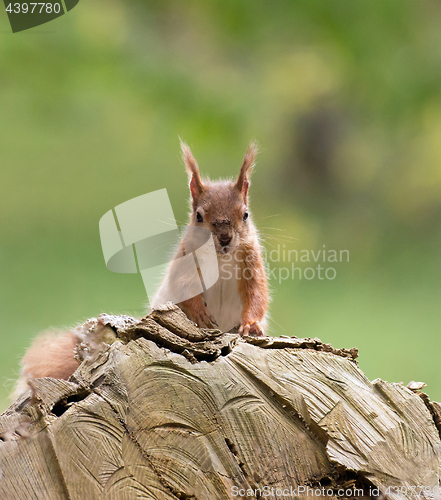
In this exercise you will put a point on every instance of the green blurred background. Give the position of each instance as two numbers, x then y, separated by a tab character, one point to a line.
345	99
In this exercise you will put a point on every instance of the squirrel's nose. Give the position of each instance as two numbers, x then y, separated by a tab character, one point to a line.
224	239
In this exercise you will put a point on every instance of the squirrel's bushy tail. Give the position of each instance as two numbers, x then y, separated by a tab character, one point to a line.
50	355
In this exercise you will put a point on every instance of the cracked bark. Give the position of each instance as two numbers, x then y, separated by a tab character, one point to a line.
160	409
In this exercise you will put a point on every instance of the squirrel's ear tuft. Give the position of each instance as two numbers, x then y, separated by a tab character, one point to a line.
243	181
191	165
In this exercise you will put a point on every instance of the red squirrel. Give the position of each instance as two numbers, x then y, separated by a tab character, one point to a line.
239	298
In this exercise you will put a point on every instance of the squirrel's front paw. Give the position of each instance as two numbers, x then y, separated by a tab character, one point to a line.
203	318
196	310
252	327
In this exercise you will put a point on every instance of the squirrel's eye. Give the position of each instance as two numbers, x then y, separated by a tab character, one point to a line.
245	216
199	217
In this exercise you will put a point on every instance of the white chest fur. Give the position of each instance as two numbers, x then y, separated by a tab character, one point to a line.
223	299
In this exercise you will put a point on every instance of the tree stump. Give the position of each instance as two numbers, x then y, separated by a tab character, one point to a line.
159	409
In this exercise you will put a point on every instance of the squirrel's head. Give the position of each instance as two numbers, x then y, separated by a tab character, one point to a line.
221	206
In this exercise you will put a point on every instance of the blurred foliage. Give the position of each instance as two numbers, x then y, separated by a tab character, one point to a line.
344	98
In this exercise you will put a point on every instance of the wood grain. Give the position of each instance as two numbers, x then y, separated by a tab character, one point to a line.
169	411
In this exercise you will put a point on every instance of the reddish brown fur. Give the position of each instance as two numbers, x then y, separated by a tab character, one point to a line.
196	186
222	205
253	291
51	356
246	168
197	311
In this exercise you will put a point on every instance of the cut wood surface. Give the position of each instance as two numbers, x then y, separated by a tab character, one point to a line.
164	410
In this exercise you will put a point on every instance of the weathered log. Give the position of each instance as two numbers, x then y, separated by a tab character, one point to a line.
169	411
